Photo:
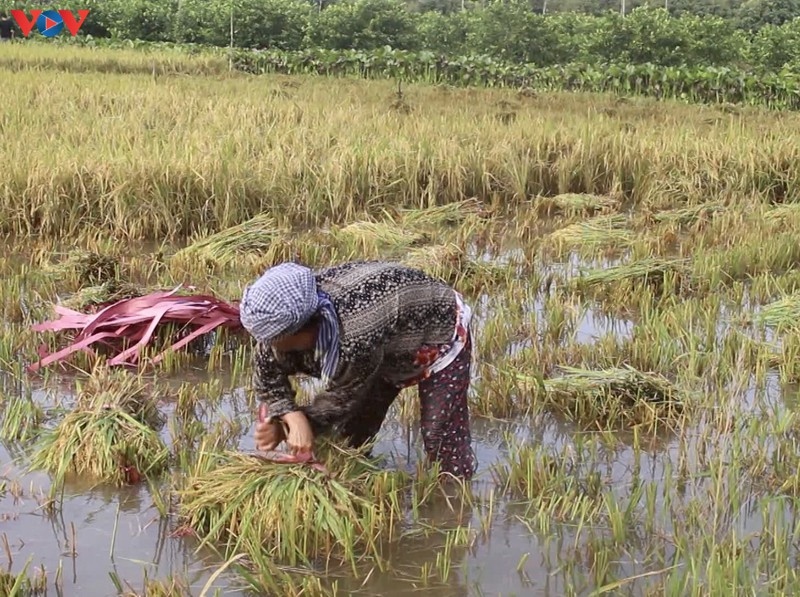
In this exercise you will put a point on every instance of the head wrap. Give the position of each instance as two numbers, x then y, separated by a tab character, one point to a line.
281	302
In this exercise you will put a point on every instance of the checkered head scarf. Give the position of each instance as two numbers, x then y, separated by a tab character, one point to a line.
281	302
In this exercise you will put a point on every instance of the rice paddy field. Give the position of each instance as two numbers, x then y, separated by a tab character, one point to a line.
633	269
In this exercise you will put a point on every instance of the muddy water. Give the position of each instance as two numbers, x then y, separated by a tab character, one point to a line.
100	532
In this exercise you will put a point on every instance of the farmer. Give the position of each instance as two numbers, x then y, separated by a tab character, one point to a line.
368	329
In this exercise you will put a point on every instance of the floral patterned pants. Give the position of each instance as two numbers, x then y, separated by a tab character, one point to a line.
444	416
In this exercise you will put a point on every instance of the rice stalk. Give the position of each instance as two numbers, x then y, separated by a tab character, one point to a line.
21	419
689	215
620	282
448	214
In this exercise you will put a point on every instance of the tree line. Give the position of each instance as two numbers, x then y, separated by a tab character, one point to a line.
752	35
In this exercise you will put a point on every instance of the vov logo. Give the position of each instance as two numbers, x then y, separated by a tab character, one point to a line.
49	22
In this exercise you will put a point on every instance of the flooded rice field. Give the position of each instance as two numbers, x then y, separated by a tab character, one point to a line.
632	266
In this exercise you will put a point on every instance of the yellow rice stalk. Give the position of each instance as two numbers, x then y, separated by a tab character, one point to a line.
449	262
444	261
622	286
441	215
688	215
781	213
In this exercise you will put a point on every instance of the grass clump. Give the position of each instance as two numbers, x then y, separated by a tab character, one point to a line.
293	512
611	399
110	436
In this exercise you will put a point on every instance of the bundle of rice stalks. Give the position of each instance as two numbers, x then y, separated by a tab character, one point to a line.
690	215
620	281
432	218
449	262
608	230
375	239
618	397
258	236
444	261
576	204
292	512
782	315
86	268
782	212
110	436
110	291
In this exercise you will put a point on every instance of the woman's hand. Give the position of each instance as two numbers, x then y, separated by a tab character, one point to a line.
300	438
269	435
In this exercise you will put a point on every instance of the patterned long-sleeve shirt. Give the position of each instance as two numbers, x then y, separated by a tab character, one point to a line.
386	312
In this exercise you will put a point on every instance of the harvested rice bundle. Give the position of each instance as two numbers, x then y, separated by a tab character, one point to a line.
655	272
783	314
689	215
375	239
781	213
110	291
444	261
259	236
576	204
442	215
600	231
450	263
291	512
110	436
617	397
86	268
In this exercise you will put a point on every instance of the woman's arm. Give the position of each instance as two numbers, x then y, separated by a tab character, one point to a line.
271	382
